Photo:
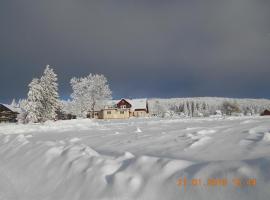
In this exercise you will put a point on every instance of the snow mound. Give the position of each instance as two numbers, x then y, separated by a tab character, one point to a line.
75	170
49	126
266	137
200	142
256	135
205	132
138	130
81	160
74	140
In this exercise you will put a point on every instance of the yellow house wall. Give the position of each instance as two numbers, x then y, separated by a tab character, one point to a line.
115	114
140	114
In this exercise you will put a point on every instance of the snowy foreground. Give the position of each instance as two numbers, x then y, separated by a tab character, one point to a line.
136	159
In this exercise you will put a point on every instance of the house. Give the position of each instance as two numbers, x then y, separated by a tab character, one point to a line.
137	107
8	113
266	112
122	109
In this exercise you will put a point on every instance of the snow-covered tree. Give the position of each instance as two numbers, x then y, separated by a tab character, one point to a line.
229	107
43	99
189	106
14	103
205	109
207	106
34	105
22	103
67	106
185	109
50	94
90	93
159	109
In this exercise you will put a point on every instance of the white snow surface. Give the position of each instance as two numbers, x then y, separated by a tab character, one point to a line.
132	159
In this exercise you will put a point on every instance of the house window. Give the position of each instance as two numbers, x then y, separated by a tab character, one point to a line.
122	112
109	112
123	106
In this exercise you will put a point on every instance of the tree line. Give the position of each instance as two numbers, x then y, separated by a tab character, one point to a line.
206	106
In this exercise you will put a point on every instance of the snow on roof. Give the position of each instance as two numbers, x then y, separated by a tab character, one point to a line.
135	103
13	109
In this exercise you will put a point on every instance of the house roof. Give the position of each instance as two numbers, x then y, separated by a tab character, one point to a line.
135	103
266	111
13	109
125	101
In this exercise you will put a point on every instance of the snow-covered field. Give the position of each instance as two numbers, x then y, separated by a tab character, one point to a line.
136	159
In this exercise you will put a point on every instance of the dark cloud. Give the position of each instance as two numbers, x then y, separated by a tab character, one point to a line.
145	48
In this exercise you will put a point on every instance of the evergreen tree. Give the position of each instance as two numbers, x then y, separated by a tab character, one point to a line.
185	108
14	104
43	99
34	105
189	109
50	95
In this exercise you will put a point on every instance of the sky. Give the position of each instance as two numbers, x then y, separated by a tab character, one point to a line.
146	48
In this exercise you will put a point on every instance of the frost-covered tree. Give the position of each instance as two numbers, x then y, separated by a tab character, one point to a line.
43	99
22	103
209	105
205	109
50	94
90	93
34	105
68	106
14	103
228	107
159	109
185	109
189	106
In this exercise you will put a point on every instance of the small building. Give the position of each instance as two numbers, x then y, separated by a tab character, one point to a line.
124	109
265	113
8	113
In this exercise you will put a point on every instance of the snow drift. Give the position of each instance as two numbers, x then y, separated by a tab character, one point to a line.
89	162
